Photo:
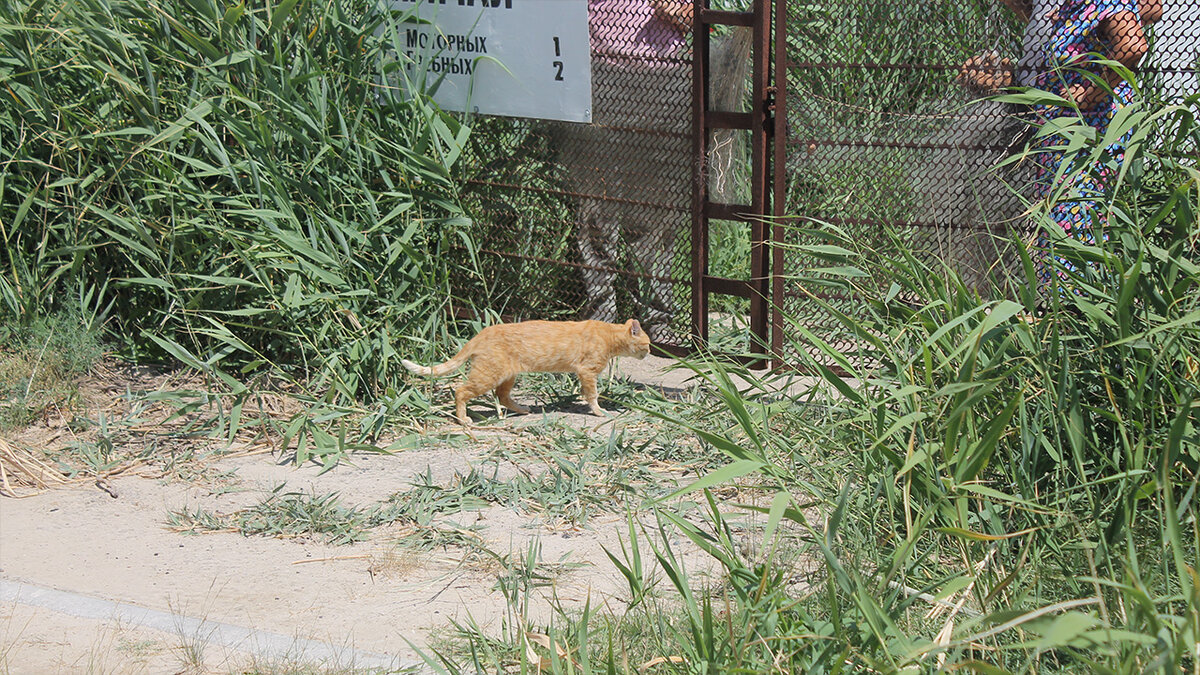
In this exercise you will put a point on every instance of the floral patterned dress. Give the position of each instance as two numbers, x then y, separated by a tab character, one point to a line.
1074	40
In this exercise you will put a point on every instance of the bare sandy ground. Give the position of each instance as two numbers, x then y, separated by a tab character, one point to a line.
101	559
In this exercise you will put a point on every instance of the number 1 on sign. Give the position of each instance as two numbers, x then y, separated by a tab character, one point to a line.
557	47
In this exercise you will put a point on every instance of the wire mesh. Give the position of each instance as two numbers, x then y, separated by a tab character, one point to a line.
887	129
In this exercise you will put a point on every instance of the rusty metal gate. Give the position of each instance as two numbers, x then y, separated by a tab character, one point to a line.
754	116
677	204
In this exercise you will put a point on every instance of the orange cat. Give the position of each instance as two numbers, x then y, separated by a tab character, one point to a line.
499	352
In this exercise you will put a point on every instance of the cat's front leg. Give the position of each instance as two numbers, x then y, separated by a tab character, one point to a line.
587	383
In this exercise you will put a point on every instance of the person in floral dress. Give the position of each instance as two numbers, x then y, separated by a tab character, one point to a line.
1080	32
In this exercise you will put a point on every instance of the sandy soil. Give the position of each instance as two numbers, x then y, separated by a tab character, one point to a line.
111	557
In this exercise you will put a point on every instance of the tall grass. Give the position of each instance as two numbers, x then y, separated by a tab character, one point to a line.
993	486
241	187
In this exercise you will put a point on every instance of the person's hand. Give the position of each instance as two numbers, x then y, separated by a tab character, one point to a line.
677	13
1086	95
986	73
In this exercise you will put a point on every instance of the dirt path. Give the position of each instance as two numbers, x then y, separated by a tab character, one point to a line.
368	601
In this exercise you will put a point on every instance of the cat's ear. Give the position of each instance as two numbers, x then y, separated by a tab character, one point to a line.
635	328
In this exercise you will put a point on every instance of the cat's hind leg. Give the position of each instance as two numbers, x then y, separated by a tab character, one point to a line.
485	376
463	395
504	394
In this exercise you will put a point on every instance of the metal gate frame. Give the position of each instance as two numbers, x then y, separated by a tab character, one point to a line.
765	121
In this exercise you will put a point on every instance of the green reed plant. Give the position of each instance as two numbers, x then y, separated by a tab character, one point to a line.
1043	437
243	188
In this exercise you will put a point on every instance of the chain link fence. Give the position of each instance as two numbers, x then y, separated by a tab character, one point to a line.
883	132
886	129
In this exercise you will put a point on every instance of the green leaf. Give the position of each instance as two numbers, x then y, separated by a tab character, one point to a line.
1065	629
779	504
176	129
919	456
233	15
715	477
232	59
179	352
281	13
979	453
23	209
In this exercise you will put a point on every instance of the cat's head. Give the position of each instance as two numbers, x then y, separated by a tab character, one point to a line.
637	341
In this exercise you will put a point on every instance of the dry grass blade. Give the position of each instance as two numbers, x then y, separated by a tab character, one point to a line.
21	470
360	556
659	660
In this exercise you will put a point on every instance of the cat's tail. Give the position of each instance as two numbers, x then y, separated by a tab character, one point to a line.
441	368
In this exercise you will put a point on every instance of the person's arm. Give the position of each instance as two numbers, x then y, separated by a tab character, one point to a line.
1126	38
1152	11
987	73
677	13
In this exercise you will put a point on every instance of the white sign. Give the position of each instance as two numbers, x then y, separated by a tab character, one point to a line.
517	58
